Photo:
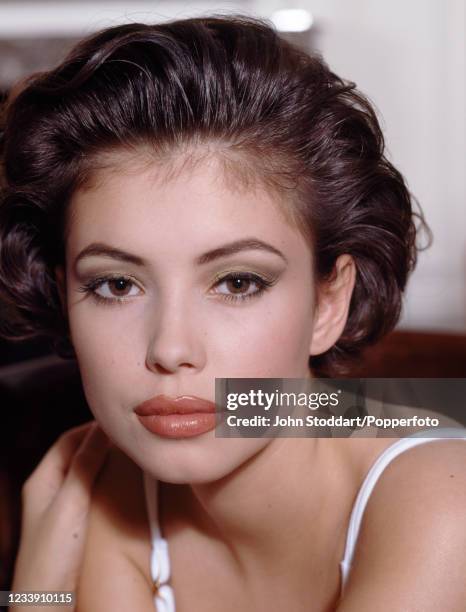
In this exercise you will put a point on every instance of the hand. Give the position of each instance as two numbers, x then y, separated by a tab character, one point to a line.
55	507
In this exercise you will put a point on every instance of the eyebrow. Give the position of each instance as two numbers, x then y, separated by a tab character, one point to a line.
245	244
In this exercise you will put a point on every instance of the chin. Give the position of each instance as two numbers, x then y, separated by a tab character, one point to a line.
198	461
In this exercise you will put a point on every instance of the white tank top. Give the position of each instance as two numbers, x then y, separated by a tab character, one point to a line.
164	599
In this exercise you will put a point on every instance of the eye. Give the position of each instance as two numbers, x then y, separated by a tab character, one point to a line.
116	287
110	289
242	286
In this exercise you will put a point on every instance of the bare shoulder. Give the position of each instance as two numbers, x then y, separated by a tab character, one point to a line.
116	572
411	549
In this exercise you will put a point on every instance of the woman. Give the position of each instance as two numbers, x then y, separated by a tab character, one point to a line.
198	200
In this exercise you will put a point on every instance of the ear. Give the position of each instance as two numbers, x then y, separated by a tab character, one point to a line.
61	286
333	301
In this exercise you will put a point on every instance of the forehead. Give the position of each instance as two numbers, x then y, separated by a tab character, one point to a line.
132	201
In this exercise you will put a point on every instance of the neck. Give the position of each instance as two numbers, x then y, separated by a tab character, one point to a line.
280	509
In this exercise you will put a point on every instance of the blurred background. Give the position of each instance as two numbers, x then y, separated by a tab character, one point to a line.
408	57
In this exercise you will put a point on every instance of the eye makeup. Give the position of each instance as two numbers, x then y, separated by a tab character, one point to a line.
262	283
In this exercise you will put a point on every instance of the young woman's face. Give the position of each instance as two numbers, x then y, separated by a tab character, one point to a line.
179	323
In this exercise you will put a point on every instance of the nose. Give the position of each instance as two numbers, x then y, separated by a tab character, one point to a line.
175	339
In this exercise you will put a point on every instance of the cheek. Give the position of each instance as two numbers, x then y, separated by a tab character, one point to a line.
267	342
102	353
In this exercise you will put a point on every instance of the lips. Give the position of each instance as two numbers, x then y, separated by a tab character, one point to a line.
181	417
185	404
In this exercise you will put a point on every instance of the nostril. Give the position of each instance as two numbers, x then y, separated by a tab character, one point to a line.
160	369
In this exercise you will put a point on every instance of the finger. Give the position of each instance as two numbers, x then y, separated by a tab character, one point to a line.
85	466
48	476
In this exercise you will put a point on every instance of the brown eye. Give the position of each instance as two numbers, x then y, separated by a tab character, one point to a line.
238	284
119	286
241	287
115	288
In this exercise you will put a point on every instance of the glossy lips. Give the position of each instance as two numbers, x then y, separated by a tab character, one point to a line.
182	417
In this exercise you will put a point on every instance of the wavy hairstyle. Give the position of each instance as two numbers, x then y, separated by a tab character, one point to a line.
275	113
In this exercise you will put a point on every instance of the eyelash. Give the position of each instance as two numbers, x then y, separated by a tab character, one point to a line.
263	285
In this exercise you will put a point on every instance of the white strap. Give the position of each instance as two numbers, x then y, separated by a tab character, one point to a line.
371	480
164	599
151	492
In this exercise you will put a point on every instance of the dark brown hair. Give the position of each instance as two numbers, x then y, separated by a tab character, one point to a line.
232	81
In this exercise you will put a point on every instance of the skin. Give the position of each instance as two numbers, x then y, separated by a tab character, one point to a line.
56	503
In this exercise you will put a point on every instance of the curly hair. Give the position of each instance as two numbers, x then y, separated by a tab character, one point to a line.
275	113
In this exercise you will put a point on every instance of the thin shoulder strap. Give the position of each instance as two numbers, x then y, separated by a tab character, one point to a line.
373	475
160	561
151	491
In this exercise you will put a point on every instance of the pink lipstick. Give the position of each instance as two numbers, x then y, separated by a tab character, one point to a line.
181	417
